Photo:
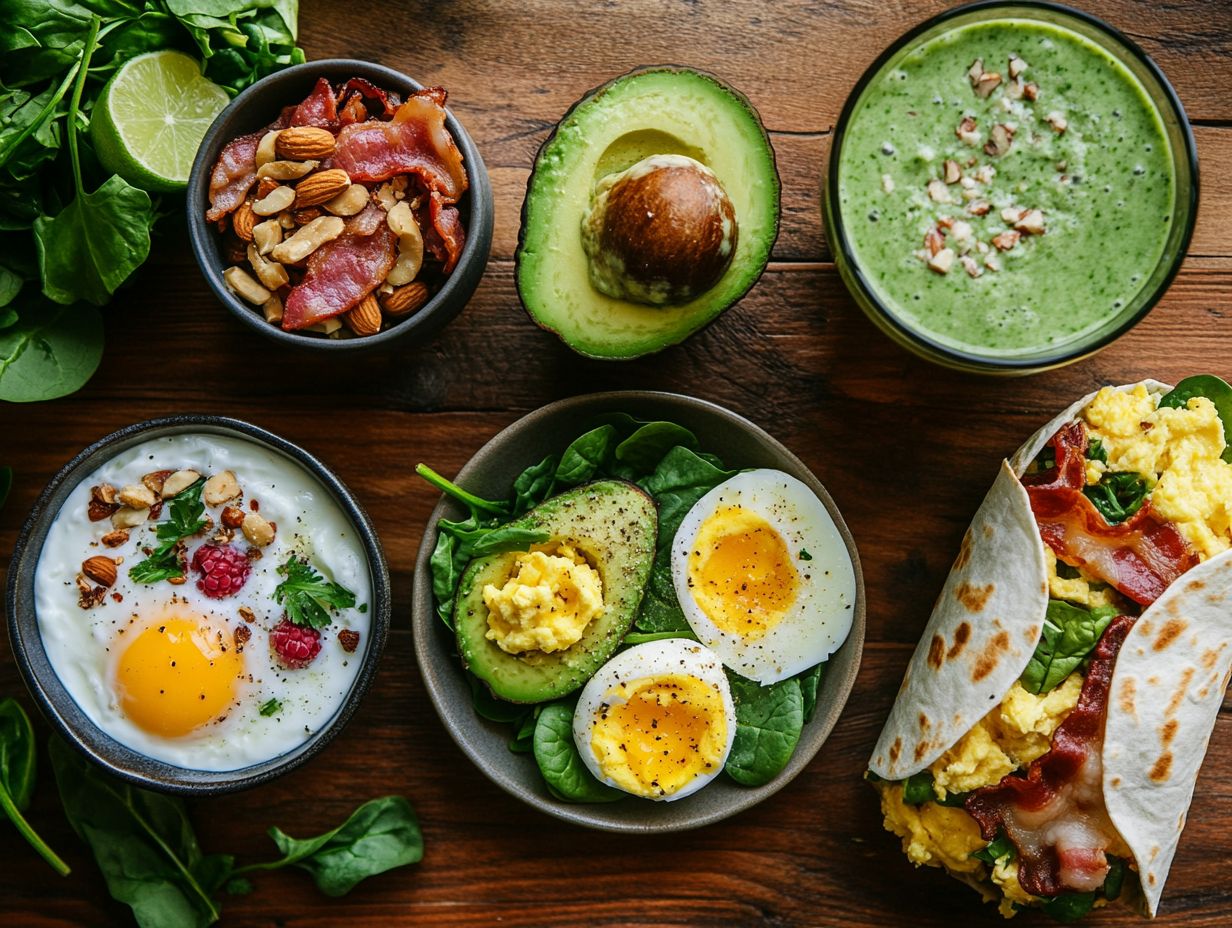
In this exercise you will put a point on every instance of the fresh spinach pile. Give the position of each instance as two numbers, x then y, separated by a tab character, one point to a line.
18	767
663	459
146	847
70	234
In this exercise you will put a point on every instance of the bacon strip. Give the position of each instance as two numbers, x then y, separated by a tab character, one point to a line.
388	100
415	141
319	109
444	236
344	271
1055	815
1140	557
234	173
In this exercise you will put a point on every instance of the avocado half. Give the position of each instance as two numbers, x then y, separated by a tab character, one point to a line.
614	525
649	111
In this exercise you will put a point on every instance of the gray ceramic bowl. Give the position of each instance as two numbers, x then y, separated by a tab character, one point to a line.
52	697
258	106
490	473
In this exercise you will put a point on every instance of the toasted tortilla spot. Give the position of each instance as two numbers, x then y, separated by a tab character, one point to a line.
1150	878
923	720
1168	732
962	635
1193	586
1032	633
1162	767
896	749
920	750
1115	782
936	652
988	530
1153	680
987	662
964	551
1211	657
974	598
1169	633
1128	690
1177	697
1147	628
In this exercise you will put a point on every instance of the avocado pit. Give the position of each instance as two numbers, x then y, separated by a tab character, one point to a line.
661	232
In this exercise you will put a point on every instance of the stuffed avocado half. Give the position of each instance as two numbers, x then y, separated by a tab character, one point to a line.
651	209
599	547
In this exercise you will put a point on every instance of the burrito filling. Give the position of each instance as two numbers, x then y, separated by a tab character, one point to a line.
1128	497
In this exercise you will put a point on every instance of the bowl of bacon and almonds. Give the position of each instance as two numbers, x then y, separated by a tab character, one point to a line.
338	204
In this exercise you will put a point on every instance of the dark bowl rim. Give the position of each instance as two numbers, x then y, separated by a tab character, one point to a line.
441	308
70	721
427	633
836	230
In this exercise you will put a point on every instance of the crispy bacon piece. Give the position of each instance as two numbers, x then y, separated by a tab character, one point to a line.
1140	557
1055	815
415	141
352	111
387	100
319	109
344	271
444	236
234	173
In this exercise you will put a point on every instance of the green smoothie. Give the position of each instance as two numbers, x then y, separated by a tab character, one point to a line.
1006	187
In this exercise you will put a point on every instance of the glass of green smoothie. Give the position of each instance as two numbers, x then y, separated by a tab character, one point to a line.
1011	186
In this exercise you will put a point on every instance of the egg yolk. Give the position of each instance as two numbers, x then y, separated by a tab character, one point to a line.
546	604
178	674
741	574
654	735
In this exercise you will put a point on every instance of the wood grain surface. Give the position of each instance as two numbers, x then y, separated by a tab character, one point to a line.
906	449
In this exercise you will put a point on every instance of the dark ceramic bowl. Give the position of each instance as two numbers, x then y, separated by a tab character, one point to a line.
49	692
257	107
490	473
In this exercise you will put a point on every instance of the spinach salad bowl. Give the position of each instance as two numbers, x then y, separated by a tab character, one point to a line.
497	735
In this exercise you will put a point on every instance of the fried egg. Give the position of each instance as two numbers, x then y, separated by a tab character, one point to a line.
657	720
763	575
171	672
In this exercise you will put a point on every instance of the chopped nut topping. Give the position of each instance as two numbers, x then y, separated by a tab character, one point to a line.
155	481
968	131
934	241
985	174
1011	214
953	173
349	639
987	83
220	488
241	635
115	538
233	516
1058	122
129	517
1006	240
1017	66
942	261
999	140
178	482
976	71
991	262
937	191
257	529
979	208
1031	91
971	266
1031	222
247	615
137	496
100	568
104	493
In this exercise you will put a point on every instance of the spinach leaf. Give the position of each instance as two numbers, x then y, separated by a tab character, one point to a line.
559	761
380	835
1068	907
477	505
586	456
1118	495
143	842
6	483
1114	882
995	850
660	609
642	637
17	771
810	683
918	788
768	724
644	449
1097	452
1214	389
1070	634
52	351
446	565
523	741
534	485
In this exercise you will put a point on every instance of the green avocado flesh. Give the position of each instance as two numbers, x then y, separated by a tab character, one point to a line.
614	525
651	112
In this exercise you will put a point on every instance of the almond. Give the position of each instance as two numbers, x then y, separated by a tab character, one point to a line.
257	529
999	140
115	538
178	482
102	502
979	208
104	493
1006	240
942	261
987	83
321	186
405	300
136	496
365	317
934	241
243	221
301	143
968	132
265	187
155	480
100	568
1031	91
221	488
233	517
953	173
128	517
304	216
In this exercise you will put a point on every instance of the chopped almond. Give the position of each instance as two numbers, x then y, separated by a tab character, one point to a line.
937	191
999	140
987	83
934	241
1017	66
1058	122
953	173
942	261
1031	222
1006	240
968	131
971	266
979	208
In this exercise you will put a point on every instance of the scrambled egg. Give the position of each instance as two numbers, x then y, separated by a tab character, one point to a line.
547	602
1180	449
1080	590
1012	735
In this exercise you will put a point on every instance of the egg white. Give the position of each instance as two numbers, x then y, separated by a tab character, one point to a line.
819	619
677	656
85	646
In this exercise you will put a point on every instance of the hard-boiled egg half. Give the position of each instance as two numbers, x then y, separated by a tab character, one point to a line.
657	720
763	575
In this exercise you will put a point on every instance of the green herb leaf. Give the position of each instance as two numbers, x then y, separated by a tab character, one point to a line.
1097	452
51	351
307	596
918	788
1070	634
184	519
559	761
769	720
18	765
805	556
378	836
1118	495
586	456
1214	389
995	850
270	707
1068	907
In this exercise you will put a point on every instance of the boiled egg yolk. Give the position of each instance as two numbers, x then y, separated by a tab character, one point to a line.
654	735
547	602
741	574
178	674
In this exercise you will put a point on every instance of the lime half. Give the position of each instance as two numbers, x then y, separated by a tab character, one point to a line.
151	117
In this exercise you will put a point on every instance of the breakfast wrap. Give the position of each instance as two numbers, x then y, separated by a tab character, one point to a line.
1048	733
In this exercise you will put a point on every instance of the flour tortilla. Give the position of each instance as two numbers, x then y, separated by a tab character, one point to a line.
1167	686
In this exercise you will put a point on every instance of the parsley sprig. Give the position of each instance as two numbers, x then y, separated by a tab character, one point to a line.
184	519
307	596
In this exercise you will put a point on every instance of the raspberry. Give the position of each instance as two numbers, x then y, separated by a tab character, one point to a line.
295	645
223	570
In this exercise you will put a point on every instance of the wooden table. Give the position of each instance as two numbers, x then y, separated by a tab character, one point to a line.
906	449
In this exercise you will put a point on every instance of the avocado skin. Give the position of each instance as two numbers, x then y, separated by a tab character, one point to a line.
615	524
596	94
